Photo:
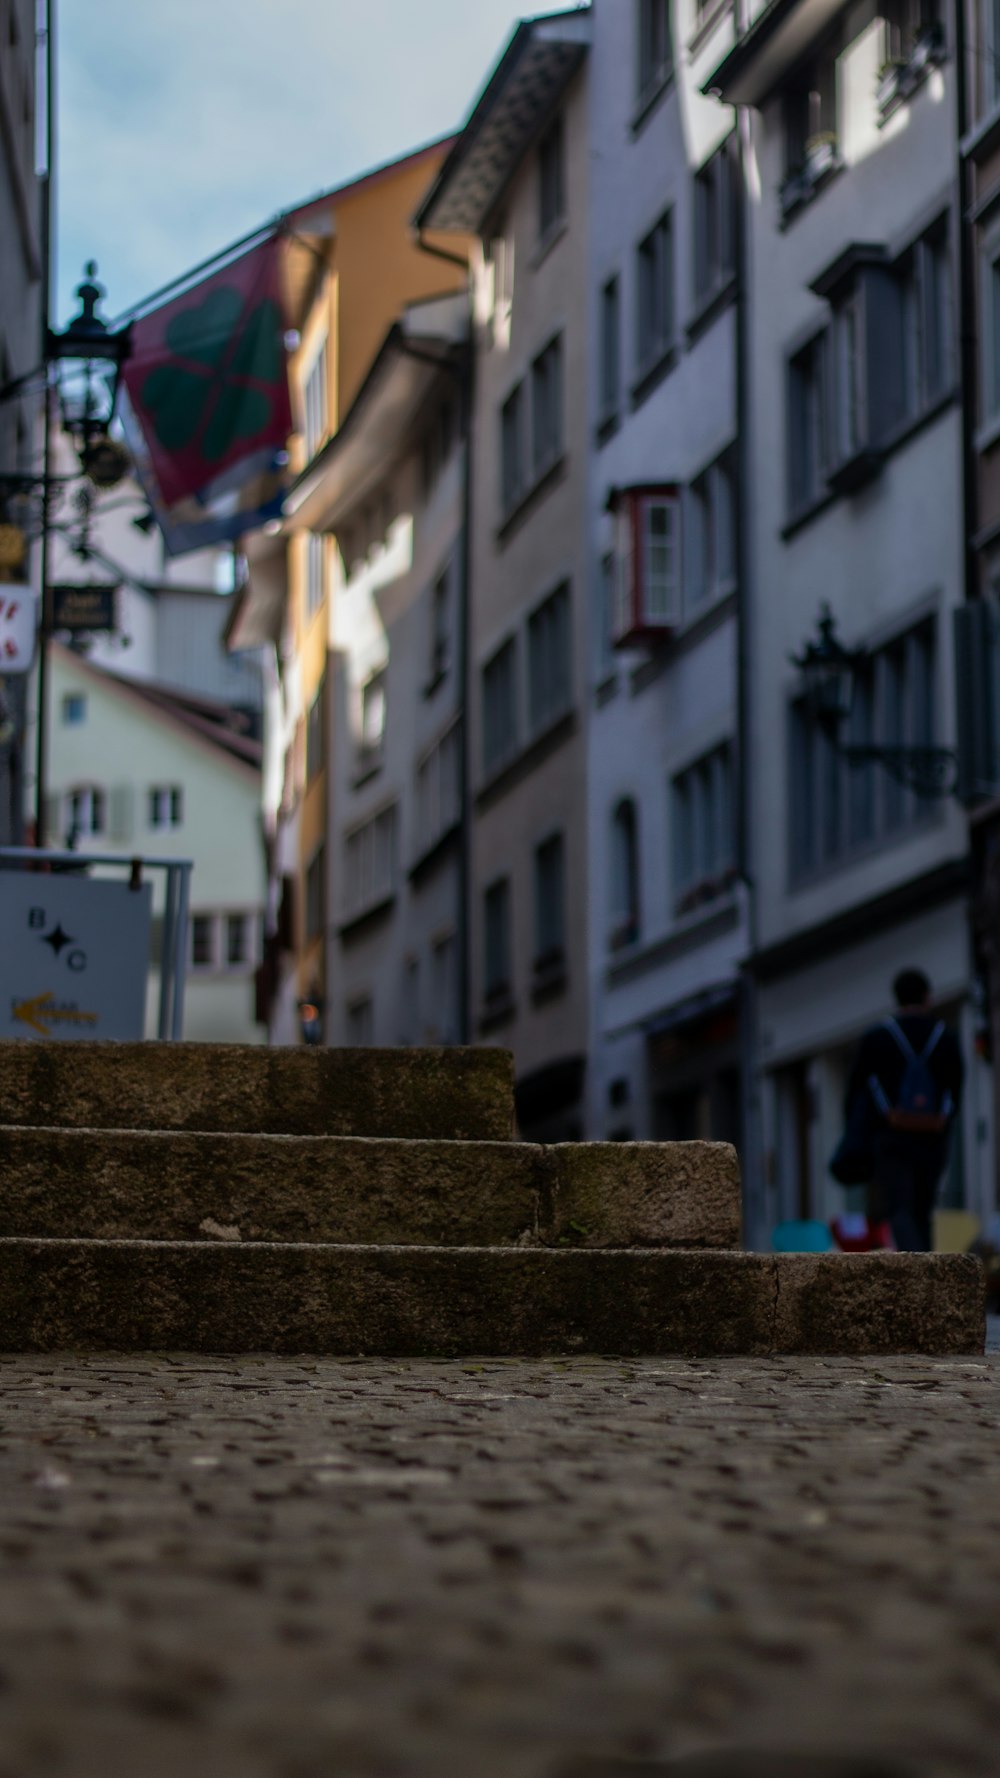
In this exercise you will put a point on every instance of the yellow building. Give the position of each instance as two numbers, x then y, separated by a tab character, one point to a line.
353	261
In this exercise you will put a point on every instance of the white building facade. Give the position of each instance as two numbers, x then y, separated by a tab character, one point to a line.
667	927
852	499
517	179
134	772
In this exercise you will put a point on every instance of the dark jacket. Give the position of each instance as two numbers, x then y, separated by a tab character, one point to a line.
880	1054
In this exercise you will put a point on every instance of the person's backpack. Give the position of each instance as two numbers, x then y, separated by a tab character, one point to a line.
920	1106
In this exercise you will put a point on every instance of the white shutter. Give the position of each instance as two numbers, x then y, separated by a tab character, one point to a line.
122	819
56	821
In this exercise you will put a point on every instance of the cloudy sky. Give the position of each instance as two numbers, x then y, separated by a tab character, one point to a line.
183	126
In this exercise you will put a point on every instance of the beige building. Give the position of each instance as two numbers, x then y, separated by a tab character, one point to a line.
517	180
352	262
135	771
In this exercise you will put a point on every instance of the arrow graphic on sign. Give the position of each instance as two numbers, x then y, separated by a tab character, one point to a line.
41	1012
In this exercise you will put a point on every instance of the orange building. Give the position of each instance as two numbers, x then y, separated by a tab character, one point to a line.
352	261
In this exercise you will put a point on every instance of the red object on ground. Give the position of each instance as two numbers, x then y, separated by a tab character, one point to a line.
859	1234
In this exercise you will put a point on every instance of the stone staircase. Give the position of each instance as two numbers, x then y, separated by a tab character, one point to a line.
215	1198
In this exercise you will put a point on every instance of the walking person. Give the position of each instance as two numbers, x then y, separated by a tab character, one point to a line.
911	1066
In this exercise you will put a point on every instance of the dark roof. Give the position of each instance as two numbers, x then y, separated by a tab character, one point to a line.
224	725
540	60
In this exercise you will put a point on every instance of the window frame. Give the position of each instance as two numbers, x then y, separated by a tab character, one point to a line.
655	297
652	32
551	169
635	620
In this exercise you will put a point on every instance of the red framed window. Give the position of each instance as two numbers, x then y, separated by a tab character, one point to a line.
647	569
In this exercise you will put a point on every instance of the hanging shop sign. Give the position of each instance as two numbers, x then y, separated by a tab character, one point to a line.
74	957
18	625
85	608
13	546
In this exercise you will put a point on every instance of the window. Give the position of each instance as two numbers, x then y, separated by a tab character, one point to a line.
444	989
440	650
549	665
603	638
370	863
166	805
883	361
496	939
500	707
438	790
373	716
703	839
990	329
315	895
907	24
655	280
837	808
989	53
513	468
810	107
655	54
315	733
924	279
360	1023
237	940
715	223
807	427
86	810
315	403
546	408
74	707
202	941
550	895
647	564
623	926
315	574
551	179
709	535
610	348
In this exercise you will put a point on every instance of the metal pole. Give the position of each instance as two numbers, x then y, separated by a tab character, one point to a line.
180	954
41	738
167	949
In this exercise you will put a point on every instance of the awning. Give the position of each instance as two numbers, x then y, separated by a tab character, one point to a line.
258	609
378	425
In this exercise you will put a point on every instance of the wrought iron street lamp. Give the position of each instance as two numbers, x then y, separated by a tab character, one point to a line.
830	671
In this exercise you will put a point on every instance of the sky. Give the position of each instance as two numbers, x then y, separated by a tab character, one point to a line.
182	127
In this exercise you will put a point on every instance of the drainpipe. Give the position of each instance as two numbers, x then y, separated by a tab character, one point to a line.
465	370
978	842
752	1157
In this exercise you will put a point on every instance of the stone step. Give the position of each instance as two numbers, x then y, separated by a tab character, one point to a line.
418	1093
128	1296
125	1184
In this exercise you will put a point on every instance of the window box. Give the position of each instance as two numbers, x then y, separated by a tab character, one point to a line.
854	471
646	600
899	78
822	161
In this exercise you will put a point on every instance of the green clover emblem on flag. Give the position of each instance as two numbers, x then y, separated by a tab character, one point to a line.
210	393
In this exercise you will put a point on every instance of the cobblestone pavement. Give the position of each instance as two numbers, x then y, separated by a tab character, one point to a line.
272	1568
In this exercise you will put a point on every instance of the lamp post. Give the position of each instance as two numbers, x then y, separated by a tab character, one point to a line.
94	355
829	671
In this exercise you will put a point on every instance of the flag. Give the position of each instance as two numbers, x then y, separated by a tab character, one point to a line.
206	386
